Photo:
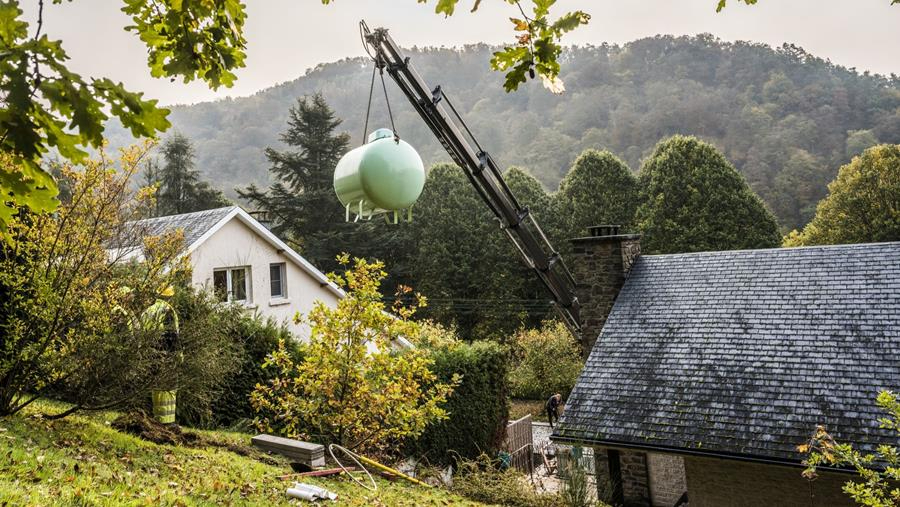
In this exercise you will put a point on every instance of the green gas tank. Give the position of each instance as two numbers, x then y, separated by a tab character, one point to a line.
385	174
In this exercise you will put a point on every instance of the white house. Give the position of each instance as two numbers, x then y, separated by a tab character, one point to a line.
241	260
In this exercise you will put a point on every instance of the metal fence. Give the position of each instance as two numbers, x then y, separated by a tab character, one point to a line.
584	456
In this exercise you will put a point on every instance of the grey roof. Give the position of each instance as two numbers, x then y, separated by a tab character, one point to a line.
744	352
193	224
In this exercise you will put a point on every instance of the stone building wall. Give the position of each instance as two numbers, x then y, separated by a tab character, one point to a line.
600	266
635	478
716	482
667	479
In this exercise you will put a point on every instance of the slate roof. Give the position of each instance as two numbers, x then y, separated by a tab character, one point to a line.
194	224
744	352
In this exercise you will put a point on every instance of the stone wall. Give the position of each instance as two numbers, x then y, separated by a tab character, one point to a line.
600	266
635	478
667	479
715	482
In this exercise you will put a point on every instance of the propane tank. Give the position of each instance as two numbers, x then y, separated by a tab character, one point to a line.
384	175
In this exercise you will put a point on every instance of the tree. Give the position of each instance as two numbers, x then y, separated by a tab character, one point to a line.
180	188
301	202
859	141
862	205
46	106
800	184
61	292
599	189
463	262
530	297
693	200
351	388
532	376
879	471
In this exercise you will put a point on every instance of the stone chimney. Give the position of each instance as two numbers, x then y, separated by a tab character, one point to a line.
600	264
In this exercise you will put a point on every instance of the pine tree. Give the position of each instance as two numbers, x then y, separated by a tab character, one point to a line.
301	202
180	188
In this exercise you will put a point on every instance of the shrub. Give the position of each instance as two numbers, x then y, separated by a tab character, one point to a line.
545	361
351	388
69	306
481	480
258	339
478	410
225	348
204	354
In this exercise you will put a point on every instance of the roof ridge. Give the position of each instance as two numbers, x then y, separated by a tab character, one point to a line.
210	211
777	249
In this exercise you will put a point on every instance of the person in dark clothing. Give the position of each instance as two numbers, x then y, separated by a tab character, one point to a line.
553	408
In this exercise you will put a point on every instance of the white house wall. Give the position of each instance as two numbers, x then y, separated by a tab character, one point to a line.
236	245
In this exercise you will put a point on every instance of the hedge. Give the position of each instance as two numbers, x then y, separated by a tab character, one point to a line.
258	337
478	408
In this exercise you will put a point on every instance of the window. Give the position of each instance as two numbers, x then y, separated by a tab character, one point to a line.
276	280
231	284
220	285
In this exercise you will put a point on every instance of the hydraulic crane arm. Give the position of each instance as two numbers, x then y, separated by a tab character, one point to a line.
437	110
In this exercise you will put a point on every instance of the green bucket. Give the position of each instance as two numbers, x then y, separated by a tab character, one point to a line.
164	406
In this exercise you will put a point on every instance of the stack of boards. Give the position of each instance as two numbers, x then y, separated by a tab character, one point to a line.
311	455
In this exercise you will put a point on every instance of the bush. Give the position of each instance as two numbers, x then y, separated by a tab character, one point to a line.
71	311
226	348
351	388
481	480
478	409
258	338
545	362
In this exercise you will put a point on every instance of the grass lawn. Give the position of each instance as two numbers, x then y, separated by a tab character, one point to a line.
82	460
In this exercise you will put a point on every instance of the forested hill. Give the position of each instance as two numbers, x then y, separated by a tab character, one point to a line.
786	119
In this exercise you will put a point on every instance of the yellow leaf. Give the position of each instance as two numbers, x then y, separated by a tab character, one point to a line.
520	25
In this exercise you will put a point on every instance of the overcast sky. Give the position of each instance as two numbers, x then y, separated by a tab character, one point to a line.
285	37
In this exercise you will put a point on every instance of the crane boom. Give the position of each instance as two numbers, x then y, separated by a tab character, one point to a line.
435	107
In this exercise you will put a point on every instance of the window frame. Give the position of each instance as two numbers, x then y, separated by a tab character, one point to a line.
229	287
282	279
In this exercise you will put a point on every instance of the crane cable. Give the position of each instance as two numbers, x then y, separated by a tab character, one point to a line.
378	64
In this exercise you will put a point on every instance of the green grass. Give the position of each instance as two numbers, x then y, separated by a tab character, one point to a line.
81	460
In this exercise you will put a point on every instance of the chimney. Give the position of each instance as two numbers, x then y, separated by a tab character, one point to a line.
600	264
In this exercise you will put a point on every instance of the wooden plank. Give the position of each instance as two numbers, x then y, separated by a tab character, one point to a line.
271	442
312	455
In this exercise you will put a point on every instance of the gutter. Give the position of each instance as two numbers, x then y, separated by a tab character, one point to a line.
749	458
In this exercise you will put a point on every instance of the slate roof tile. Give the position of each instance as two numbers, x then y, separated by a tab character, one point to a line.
193	225
745	351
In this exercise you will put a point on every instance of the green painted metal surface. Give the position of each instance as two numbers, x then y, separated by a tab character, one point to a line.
383	175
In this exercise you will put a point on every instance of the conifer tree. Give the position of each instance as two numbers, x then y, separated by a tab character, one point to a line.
599	189
301	202
693	200
180	188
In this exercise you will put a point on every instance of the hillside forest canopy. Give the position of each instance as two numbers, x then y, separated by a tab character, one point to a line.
786	119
